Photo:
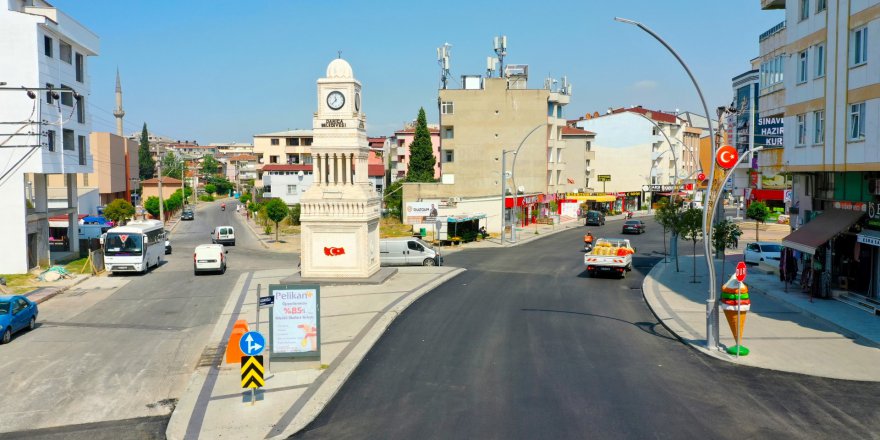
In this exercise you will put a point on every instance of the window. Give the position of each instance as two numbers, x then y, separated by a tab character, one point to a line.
273	159
859	46
80	66
802	67
81	144
66	96
819	127
306	142
415	246
449	155
291	142
801	129
50	139
448	133
446	108
820	60
274	141
47	46
49	99
291	189
821	5
66	53
771	71
80	110
856	121
805	9
67	140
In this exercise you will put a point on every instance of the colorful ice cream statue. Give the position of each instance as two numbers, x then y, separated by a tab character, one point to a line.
735	304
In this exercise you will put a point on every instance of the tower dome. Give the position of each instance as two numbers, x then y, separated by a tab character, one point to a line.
339	68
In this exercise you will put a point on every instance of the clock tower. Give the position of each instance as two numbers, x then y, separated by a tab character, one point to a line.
340	211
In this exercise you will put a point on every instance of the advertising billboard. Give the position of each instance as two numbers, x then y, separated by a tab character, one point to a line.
417	212
295	320
769	132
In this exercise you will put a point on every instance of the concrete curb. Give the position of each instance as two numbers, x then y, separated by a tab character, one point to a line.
79	279
253	231
331	385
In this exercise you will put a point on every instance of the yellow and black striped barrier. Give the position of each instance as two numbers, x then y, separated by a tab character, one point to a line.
252	372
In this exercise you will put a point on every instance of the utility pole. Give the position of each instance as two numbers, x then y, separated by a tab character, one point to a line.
161	199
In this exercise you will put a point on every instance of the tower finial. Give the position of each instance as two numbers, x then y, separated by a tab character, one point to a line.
339	52
118	83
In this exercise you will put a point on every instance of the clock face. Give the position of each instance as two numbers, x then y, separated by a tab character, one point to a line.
335	100
357	102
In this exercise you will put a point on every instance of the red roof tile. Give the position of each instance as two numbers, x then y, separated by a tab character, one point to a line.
575	130
242	157
286	167
376	170
655	115
165	181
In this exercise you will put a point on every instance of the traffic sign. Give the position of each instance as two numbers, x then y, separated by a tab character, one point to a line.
267	301
252	372
701	177
726	157
741	271
604	177
252	343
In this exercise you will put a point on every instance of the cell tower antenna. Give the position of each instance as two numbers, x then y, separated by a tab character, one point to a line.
443	53
500	44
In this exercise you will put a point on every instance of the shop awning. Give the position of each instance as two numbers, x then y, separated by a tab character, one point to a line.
465	218
603	198
823	228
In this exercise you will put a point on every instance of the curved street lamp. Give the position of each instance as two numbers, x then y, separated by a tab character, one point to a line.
711	302
513	176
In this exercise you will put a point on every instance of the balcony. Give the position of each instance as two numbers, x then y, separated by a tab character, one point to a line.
772	4
772	31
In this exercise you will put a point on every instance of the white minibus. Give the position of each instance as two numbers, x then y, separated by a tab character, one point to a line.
134	247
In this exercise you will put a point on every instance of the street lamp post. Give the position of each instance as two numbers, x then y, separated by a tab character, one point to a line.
513	175
504	192
668	142
711	302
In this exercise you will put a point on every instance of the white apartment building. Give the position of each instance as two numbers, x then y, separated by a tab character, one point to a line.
49	50
232	148
286	181
292	147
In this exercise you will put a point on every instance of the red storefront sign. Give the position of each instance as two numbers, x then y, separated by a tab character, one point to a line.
520	201
767	194
753	177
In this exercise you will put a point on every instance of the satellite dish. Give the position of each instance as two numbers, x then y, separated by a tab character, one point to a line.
300	173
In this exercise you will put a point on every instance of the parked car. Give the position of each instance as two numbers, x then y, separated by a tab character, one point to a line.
187	215
16	313
223	235
408	251
595	218
633	227
759	251
209	258
167	243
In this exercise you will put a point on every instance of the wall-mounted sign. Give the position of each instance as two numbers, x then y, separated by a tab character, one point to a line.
769	132
419	212
604	177
333	123
295	320
658	188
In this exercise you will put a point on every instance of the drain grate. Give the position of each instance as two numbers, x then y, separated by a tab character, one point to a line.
208	356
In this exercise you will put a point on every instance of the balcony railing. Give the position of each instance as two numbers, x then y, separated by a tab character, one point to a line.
770	32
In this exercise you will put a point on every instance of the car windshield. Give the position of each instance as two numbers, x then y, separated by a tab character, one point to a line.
123	244
633	222
771	248
4	307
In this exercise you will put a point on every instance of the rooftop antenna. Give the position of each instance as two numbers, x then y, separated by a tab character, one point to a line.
491	65
443	60
501	51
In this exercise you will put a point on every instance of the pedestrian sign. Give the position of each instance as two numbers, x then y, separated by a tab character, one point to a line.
252	372
252	343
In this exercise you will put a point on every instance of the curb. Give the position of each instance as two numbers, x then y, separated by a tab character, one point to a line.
337	378
79	279
247	222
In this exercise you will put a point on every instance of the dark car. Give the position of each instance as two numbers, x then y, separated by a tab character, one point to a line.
633	227
167	242
594	218
187	215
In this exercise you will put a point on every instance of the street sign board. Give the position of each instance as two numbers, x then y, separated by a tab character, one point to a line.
267	301
295	321
252	343
252	372
604	177
741	271
727	157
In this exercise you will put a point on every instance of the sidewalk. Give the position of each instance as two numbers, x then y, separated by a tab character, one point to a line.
54	288
784	331
353	318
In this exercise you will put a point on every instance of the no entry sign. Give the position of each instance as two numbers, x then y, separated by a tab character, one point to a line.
741	271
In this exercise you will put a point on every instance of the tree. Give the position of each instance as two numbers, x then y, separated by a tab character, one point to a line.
421	153
172	166
118	211
209	165
295	211
668	215
210	188
244	199
152	206
724	234
759	212
145	159
691	228
394	199
276	210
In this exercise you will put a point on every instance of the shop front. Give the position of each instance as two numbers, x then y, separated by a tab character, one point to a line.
773	198
593	201
525	209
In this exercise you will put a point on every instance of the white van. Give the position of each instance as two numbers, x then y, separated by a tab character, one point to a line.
408	251
223	235
209	258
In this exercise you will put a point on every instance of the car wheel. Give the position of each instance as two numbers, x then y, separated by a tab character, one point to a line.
7	336
223	269
429	262
233	242
32	324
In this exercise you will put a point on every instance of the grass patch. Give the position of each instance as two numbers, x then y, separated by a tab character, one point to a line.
392	227
76	266
20	283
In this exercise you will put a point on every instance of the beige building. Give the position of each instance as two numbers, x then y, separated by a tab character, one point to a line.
579	156
108	176
169	186
291	147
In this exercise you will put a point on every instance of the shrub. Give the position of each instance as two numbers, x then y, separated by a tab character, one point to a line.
206	198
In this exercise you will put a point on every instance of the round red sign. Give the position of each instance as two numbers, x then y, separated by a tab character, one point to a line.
726	157
701	177
741	271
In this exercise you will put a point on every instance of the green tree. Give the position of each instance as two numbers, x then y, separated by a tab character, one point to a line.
276	210
119	211
394	199
724	234
691	228
152	206
758	212
172	166
146	163
295	211
668	215
209	165
210	188
421	153
244	199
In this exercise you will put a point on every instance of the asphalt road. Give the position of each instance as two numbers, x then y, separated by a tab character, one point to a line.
110	361
523	345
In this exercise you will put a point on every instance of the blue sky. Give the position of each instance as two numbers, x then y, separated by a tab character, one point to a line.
222	71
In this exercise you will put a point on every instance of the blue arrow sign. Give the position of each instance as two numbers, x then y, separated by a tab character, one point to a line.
252	343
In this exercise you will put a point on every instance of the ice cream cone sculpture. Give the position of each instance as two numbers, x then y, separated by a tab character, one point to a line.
736	304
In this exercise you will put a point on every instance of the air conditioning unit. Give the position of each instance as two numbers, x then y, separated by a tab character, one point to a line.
454	199
521	189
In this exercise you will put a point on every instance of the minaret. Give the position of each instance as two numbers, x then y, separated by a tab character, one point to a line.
118	112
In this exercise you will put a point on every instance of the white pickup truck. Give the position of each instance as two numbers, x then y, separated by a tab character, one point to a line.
609	256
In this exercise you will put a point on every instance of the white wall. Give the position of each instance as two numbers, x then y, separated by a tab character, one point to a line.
279	185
